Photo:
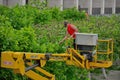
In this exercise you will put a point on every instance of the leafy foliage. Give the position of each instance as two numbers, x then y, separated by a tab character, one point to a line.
73	14
28	29
3	9
38	29
19	16
65	72
17	40
5	74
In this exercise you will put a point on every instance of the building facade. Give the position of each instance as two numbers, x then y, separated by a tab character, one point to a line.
93	7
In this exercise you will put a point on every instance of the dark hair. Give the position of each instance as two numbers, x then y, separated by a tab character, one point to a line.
65	23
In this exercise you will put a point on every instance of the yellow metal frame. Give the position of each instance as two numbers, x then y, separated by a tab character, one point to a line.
108	53
24	62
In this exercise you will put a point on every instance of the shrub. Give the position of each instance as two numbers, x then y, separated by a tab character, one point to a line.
73	14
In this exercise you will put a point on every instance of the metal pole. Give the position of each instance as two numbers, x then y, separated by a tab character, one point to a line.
31	67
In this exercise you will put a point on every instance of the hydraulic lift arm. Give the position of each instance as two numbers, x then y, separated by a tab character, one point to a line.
25	63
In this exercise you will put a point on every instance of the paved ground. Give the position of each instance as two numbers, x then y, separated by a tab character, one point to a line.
112	75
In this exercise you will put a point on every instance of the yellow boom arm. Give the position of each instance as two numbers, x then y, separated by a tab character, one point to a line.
25	62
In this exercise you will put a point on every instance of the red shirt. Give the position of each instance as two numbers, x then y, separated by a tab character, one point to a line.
71	30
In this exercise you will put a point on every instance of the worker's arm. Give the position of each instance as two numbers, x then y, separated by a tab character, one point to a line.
71	36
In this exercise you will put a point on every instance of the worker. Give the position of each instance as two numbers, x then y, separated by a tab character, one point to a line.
87	16
70	30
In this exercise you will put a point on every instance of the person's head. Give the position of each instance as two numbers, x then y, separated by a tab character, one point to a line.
65	23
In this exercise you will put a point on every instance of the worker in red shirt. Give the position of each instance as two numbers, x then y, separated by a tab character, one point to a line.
70	30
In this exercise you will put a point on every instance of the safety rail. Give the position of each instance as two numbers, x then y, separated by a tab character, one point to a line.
104	54
109	46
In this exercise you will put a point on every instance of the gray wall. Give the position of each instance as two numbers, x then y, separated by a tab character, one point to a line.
96	6
117	6
1	1
117	3
108	3
13	2
68	4
52	3
96	3
84	3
